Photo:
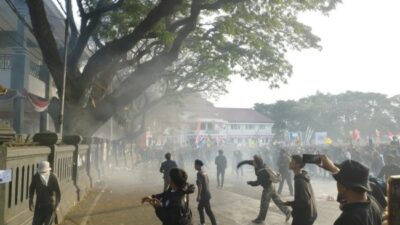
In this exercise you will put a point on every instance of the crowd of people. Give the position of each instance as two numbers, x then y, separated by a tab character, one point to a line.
361	179
361	182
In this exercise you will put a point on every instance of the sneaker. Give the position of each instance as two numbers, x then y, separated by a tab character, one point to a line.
288	215
257	221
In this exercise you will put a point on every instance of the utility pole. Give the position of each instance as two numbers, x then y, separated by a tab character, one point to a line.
62	100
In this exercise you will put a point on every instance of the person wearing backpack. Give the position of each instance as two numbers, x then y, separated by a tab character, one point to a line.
265	178
204	195
172	206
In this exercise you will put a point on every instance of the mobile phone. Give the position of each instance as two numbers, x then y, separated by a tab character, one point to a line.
312	159
394	200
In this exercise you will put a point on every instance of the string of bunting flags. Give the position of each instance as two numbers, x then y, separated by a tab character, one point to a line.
39	104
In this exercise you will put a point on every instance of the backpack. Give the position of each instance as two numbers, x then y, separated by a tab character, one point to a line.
274	176
186	213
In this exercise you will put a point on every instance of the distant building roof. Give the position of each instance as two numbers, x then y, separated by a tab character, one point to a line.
242	115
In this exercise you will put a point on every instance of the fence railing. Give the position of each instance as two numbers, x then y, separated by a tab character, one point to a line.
75	165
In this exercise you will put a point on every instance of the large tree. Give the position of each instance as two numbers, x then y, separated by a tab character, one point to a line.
188	43
337	114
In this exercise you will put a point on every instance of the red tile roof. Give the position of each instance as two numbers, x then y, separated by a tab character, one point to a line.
242	115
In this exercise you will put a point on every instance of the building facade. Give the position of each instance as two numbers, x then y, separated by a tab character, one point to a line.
22	70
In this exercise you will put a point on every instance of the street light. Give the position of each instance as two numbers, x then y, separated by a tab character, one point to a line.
62	105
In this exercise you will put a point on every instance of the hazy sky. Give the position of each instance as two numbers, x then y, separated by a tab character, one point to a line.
361	48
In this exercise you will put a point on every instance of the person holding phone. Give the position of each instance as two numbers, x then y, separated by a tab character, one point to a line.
304	208
358	208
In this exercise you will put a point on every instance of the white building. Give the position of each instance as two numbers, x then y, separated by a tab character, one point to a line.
205	124
246	126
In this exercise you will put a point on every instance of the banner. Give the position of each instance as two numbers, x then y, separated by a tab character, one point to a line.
38	104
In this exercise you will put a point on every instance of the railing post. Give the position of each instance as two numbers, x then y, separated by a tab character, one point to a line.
74	140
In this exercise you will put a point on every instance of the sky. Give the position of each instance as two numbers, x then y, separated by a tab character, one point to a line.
361	47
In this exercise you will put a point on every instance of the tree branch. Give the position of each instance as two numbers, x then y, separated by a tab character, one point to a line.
147	73
46	40
104	9
74	29
218	4
108	55
81	43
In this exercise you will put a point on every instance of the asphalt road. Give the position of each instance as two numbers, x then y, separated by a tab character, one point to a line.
117	200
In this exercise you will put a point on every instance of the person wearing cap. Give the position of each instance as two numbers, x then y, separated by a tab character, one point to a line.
166	166
264	178
304	208
221	163
172	206
48	195
203	193
358	208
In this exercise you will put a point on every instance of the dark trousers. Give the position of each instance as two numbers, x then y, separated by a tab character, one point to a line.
166	183
220	177
300	221
205	205
267	195
288	178
44	215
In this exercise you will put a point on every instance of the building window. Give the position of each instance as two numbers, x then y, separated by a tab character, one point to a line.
250	126
5	62
262	127
235	126
210	126
203	126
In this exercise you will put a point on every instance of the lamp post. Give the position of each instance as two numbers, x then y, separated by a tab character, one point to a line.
62	98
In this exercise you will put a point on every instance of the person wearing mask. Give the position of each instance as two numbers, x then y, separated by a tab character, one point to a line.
304	210
204	195
265	176
283	165
48	195
220	162
166	166
358	207
172	206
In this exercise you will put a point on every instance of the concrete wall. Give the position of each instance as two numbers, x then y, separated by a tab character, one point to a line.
73	165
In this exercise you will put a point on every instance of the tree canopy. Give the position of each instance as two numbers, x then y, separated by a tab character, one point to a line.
337	114
189	44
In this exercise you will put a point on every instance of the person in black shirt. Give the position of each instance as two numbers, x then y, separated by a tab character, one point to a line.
221	163
304	207
172	206
166	166
358	208
48	195
204	195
